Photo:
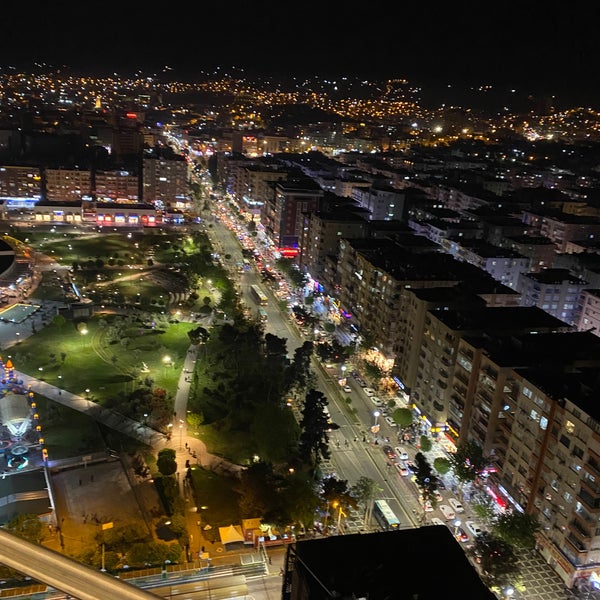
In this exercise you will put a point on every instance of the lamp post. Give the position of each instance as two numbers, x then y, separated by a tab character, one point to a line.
376	415
180	433
326	518
456	524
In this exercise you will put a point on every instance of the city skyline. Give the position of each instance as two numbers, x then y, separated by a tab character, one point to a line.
553	51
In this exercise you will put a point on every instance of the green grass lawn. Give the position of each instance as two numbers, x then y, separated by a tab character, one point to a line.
109	359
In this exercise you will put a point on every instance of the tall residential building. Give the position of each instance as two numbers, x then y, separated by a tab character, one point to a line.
556	291
165	181
250	185
282	215
20	182
589	311
531	402
384	203
67	185
320	240
116	186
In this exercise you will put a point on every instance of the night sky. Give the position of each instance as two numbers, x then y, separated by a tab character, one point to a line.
544	46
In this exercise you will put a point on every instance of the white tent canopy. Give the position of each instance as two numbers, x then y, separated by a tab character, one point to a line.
231	534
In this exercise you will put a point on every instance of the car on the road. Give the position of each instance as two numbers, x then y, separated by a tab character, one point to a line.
461	535
456	505
369	391
474	528
391	421
347	389
401	452
427	506
390	453
402	470
438	497
448	513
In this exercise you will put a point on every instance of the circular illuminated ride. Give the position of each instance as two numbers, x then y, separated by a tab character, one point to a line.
20	430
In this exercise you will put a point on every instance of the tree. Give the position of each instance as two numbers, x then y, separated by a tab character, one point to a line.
403	416
498	560
442	465
425	443
468	461
517	529
364	491
28	527
425	478
337	495
166	463
314	441
299	372
199	335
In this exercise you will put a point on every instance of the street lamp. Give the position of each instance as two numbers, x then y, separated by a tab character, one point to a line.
376	415
180	433
456	524
508	591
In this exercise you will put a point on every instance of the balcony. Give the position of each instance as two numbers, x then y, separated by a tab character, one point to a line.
577	545
591	501
578	528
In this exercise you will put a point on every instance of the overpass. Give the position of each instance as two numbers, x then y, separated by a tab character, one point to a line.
65	574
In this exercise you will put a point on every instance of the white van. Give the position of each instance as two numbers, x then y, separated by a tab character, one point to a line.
456	505
448	513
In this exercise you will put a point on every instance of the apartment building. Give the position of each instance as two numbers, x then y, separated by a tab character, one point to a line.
539	250
561	227
384	203
250	185
282	214
20	182
556	291
502	264
320	238
589	311
530	401
68	185
165	181
116	186
443	330
374	276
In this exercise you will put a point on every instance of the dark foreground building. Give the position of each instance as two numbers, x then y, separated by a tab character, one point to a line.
416	564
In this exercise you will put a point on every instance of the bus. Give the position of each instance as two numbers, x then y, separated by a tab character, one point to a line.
385	516
258	295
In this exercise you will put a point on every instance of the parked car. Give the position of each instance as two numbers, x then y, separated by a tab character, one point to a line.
438	496
410	465
456	505
461	535
474	528
376	401
401	453
448	513
369	391
347	389
436	521
391	421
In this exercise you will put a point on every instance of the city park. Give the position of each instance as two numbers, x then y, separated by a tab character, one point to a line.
154	296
